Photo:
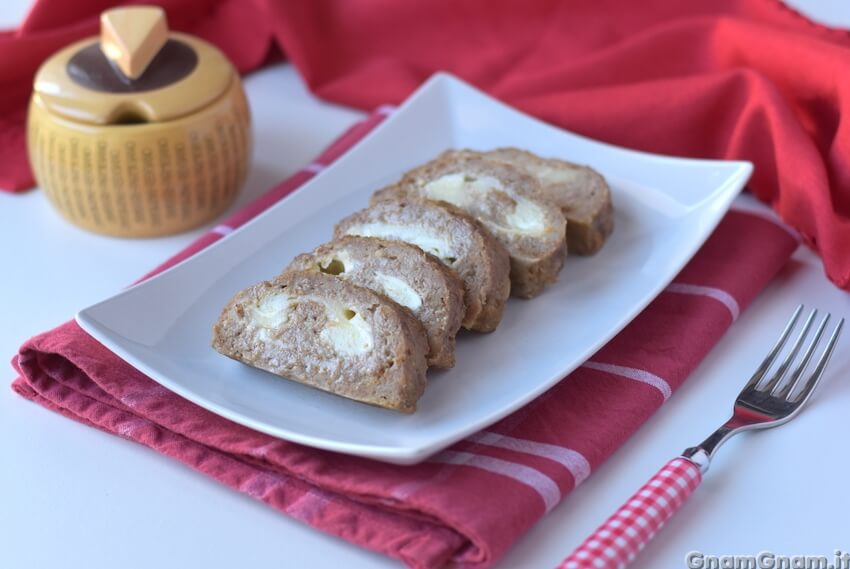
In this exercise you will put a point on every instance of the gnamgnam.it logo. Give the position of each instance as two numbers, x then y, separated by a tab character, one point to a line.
767	560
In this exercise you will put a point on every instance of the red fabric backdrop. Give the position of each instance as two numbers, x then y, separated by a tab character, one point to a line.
743	79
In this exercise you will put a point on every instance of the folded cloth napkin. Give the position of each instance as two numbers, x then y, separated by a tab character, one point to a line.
742	79
442	509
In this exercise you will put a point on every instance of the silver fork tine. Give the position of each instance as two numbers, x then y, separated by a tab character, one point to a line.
814	379
771	356
792	382
771	384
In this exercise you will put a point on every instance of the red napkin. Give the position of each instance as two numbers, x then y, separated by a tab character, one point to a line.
443	509
744	79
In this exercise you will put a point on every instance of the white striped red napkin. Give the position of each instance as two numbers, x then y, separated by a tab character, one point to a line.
443	509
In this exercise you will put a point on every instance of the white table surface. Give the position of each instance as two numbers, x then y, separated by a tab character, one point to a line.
73	497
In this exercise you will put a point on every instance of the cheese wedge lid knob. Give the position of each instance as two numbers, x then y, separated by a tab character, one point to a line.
135	72
131	37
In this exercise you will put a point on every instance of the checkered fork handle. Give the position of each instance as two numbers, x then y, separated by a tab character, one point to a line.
616	542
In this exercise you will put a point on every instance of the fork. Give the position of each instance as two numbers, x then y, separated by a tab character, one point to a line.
760	405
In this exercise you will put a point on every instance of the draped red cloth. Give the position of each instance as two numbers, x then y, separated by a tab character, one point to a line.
743	79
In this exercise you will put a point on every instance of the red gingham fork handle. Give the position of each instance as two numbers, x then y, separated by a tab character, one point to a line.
616	542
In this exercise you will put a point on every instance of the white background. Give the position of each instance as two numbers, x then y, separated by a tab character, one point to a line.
73	497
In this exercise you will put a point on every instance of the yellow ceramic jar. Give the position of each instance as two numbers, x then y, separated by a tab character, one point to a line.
139	133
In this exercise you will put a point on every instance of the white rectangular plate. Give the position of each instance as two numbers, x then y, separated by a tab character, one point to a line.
665	209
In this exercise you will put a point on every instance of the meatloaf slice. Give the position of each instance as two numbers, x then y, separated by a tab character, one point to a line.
458	240
508	201
330	334
580	191
404	273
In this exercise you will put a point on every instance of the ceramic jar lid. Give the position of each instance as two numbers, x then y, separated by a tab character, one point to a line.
136	72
